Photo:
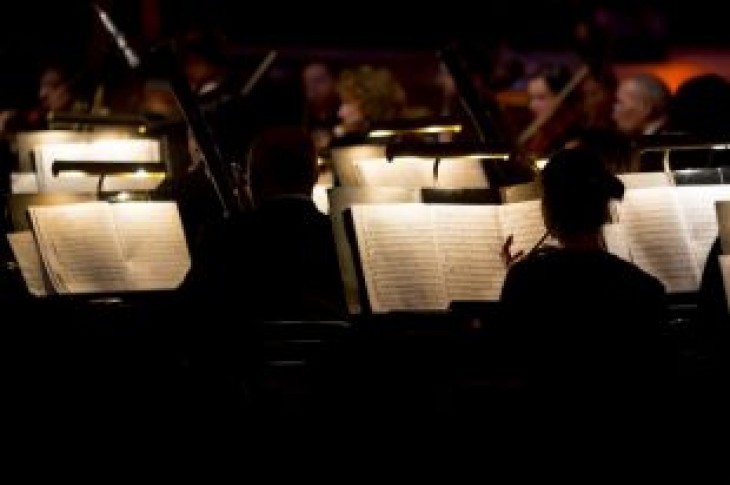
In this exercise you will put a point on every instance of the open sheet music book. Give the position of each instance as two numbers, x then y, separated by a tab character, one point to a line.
98	247
424	256
417	172
343	198
668	231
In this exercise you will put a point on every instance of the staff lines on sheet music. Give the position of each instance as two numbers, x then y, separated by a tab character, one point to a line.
658	237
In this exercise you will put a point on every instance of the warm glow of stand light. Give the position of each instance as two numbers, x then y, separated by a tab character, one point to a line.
425	130
76	168
424	125
431	151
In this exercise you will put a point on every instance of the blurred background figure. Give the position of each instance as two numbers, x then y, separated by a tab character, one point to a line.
368	95
58	90
544	86
701	106
557	115
493	74
641	105
322	101
55	92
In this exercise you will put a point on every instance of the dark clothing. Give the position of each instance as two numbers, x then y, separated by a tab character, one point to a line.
582	323
713	329
197	202
292	260
712	300
277	262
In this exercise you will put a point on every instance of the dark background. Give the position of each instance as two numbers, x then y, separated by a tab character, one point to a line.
35	30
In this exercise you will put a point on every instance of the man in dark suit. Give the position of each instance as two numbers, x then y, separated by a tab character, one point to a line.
290	249
277	261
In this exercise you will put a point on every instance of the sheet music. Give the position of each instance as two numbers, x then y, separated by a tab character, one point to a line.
658	238
344	158
461	173
399	257
698	208
402	172
26	254
341	198
524	221
153	244
23	183
97	247
469	242
521	192
615	240
419	172
423	256
79	247
643	180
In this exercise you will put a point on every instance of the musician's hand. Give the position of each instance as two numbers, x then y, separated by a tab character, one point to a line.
507	255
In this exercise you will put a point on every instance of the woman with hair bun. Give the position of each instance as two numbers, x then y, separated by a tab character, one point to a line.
580	321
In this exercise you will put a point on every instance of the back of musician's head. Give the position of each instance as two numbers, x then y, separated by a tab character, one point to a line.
282	161
577	189
701	106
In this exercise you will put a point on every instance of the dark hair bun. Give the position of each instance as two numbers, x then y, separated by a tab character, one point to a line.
580	170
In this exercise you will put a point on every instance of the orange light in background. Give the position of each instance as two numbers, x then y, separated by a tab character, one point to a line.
672	73
681	66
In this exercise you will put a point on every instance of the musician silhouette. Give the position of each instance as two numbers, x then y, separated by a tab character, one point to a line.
279	260
579	321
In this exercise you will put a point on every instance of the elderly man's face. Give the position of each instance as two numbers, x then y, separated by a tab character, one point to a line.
631	111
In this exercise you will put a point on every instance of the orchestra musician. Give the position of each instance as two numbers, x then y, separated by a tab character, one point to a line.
547	92
579	321
58	91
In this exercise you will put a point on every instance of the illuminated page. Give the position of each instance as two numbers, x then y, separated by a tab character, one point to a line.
26	254
341	198
698	208
615	241
469	242
657	237
523	220
461	173
399	258
153	244
643	180
80	248
402	172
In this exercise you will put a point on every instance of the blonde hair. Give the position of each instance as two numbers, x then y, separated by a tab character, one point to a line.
379	94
